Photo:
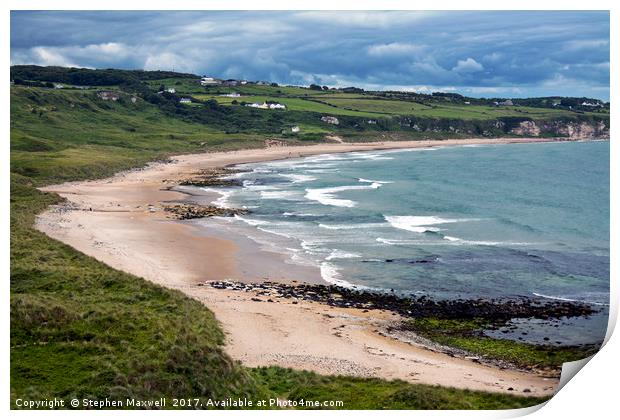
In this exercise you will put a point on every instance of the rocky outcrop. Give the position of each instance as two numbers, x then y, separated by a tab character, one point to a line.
211	177
527	128
194	211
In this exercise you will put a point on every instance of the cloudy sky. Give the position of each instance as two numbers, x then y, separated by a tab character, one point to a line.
510	54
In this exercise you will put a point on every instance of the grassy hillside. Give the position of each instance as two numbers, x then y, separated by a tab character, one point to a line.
89	137
82	329
79	328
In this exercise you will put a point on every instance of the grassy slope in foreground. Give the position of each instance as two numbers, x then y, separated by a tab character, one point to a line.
82	329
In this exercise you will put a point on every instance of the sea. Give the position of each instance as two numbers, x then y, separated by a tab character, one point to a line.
478	221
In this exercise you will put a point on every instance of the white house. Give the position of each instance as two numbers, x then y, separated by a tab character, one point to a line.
208	81
265	105
185	101
232	95
257	105
171	90
295	129
330	120
277	106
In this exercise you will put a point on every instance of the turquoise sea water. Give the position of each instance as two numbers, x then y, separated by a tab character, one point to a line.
478	221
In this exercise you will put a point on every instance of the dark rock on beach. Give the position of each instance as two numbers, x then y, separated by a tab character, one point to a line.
194	211
212	177
495	311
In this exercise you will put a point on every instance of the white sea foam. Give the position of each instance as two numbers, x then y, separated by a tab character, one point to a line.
278	195
275	232
458	241
253	187
564	299
297	178
403	242
331	275
352	226
327	197
323	171
251	222
222	200
293	213
337	254
419	224
370	181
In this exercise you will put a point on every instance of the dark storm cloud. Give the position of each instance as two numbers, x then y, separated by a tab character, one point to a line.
477	53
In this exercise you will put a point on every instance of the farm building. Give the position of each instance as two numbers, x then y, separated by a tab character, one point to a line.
265	105
209	81
185	101
108	95
330	120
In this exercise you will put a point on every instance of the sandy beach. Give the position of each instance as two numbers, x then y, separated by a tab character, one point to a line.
120	221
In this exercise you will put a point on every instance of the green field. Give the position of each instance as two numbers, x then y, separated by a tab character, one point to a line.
470	112
293	104
370	106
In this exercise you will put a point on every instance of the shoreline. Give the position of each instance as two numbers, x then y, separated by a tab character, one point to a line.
121	222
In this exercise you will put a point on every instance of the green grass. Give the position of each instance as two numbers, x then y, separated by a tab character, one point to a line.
88	137
293	104
471	112
80	328
467	335
375	394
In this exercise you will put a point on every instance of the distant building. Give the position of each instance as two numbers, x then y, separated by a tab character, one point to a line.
257	105
507	102
59	86
590	104
185	101
330	120
171	90
265	105
209	81
232	95
467	102
372	122
229	82
295	129
108	95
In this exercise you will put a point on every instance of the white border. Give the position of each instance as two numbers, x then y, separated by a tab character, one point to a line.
592	394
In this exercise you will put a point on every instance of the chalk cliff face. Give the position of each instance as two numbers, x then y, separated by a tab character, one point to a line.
573	130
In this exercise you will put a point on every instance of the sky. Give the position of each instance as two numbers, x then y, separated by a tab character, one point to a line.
480	54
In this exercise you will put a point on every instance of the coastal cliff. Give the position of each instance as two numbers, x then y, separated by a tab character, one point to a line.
570	129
